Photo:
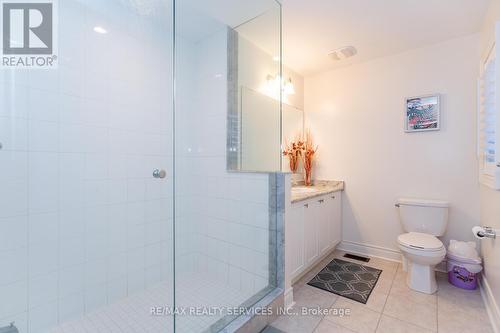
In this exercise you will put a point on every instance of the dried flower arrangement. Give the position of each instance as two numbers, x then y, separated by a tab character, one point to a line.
293	151
307	157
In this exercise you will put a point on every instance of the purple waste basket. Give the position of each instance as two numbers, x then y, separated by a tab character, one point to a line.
460	277
463	265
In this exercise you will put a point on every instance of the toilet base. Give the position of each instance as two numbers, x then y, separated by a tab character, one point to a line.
421	278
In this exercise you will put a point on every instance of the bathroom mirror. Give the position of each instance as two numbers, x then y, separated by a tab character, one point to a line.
292	128
260	121
260	148
254	94
293	122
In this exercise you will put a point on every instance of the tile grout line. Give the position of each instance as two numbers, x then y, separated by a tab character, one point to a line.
407	322
437	310
388	294
323	317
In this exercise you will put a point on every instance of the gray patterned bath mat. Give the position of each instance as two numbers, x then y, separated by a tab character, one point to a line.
347	279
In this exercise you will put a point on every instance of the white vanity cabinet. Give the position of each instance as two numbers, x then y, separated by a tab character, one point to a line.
334	209
312	230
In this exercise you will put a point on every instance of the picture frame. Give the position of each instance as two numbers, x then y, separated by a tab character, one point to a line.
422	113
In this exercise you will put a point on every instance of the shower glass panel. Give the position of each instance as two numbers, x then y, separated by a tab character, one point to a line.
225	241
85	229
98	158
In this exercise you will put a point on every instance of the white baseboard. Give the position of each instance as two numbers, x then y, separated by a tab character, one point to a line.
370	250
491	304
288	298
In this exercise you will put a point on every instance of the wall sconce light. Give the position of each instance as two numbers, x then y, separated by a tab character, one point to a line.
100	30
274	82
288	87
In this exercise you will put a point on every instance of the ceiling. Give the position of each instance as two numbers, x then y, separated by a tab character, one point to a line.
377	28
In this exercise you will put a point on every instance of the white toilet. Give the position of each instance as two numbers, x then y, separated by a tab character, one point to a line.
424	221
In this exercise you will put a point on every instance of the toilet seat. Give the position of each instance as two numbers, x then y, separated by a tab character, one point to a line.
420	242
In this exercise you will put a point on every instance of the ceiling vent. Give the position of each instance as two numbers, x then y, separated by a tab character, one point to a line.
343	53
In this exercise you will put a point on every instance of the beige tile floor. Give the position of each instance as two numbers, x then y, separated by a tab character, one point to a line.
391	308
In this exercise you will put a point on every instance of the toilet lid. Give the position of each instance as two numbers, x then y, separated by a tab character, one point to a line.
418	240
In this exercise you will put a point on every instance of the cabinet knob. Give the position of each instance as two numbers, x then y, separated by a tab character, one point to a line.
306	205
321	201
333	197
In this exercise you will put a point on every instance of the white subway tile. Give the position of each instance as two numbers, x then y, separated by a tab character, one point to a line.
71	280
71	251
152	276
135	281
13	166
43	317
117	191
136	259
15	263
95	273
96	246
13	95
96	166
43	105
43	182
13	233
95	192
117	290
117	266
14	133
43	258
43	289
136	189
44	80
14	299
95	297
71	306
43	227
71	222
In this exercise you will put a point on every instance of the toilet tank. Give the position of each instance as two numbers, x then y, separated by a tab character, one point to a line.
421	215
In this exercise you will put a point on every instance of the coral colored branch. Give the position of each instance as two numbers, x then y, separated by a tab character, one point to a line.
308	157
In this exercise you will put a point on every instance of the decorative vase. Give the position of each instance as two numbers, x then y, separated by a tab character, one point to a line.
307	158
293	164
307	177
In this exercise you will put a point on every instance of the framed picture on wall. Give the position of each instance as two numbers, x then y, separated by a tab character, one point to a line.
422	113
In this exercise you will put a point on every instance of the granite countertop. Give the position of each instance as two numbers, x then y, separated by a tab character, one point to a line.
319	187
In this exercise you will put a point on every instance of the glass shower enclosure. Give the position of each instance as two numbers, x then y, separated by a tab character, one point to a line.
117	209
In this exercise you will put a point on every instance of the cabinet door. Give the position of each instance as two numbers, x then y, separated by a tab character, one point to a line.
334	208
323	228
311	232
295	240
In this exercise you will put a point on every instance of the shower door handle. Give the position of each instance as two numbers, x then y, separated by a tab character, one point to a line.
157	173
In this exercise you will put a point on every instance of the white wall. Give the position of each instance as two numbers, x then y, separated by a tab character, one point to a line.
356	116
490	199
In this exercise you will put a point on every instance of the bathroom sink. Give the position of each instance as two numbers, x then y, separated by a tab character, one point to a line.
303	189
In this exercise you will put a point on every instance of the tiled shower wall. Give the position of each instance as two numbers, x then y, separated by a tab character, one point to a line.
223	216
82	221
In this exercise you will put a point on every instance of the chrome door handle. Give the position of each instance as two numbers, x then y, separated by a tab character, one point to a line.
157	173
